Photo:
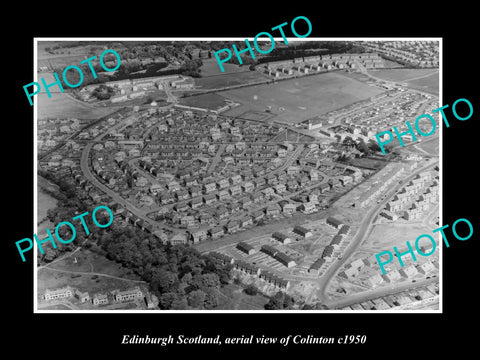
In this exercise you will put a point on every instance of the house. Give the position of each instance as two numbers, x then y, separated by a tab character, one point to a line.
304	232
181	206
308	208
222	258
248	187
235	190
233	206
334	182
324	188
246	248
345	230
345	180
425	267
284	239
195	191
62	293
268	191
198	235
316	265
216	232
409	271
388	215
349	273
232	226
269	250
129	295
280	188
223	195
285	259
289	208
209	199
328	252
246	221
100	299
357	264
313	197
188	221
272	210
334	222
375	280
336	241
392	276
245	201
206	219
223	183
209	187
246	267
82	296
196	203
258	215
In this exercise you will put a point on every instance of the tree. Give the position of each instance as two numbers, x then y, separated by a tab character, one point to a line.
279	301
211	299
196	299
163	281
166	300
251	290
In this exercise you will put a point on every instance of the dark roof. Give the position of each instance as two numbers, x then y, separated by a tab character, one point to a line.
270	250
244	246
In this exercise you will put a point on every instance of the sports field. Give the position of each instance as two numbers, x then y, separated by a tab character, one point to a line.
421	79
209	101
62	105
295	100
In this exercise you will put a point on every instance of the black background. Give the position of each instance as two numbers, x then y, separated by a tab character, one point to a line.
95	335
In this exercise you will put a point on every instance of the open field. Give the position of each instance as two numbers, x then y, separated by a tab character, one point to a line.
232	297
210	67
432	147
402	74
420	79
428	84
63	105
210	101
87	261
296	100
368	163
386	236
228	79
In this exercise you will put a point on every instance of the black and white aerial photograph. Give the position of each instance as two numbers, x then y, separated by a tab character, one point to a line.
224	181
262	187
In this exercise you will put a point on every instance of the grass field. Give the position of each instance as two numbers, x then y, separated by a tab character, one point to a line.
63	106
386	236
233	298
210	101
420	79
432	147
428	84
87	261
296	100
402	74
210	67
228	79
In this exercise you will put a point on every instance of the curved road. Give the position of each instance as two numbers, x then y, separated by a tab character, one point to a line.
361	234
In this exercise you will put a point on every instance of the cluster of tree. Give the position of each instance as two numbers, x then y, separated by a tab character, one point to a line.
310	48
68	206
192	68
103	92
178	275
280	301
